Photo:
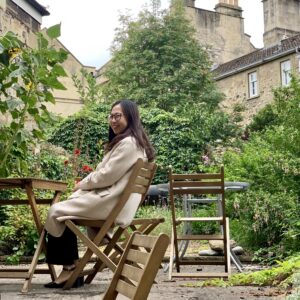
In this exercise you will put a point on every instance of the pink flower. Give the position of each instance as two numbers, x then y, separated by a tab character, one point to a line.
205	159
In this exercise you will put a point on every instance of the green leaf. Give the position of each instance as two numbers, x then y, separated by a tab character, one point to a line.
59	70
54	31
54	83
13	125
42	41
49	98
38	133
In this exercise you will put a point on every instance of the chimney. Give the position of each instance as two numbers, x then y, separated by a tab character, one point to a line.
276	26
230	2
189	3
229	7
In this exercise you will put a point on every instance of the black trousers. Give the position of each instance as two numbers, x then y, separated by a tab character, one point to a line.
62	250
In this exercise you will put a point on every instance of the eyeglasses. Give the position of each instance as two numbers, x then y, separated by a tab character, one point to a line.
115	117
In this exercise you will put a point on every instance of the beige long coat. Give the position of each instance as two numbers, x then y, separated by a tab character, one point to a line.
99	191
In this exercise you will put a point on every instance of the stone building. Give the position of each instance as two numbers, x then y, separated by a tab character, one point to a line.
222	30
24	18
247	81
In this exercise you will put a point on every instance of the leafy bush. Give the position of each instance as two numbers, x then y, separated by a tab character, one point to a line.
18	232
85	131
269	212
178	141
264	119
181	141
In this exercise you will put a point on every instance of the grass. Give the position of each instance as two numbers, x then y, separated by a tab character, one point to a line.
285	275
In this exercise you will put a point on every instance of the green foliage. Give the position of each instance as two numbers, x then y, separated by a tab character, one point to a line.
27	77
264	119
18	233
181	141
200	211
280	276
90	92
178	141
86	131
158	62
269	212
157	212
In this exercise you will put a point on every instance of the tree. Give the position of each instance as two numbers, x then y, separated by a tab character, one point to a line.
158	62
27	77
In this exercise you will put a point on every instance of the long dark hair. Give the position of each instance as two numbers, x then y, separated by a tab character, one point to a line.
134	128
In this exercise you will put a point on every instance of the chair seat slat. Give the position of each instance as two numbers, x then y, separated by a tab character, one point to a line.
200	184
197	191
197	176
200	237
199	219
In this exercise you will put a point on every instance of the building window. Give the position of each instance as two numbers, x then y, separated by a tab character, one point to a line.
253	84
285	67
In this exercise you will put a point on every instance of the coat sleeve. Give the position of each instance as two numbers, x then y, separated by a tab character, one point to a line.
122	158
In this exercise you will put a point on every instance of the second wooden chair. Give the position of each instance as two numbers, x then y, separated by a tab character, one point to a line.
205	186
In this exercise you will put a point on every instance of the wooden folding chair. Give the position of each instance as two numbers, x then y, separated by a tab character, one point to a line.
139	182
206	186
138	267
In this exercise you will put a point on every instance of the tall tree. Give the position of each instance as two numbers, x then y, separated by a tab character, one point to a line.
158	62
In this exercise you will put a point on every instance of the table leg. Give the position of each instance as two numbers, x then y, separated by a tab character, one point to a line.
32	267
34	208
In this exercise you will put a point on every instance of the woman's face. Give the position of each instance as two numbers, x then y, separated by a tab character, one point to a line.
117	120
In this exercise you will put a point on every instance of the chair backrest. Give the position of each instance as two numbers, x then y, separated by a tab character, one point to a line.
139	182
138	267
197	184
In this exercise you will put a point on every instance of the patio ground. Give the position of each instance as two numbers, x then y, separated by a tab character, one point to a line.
164	289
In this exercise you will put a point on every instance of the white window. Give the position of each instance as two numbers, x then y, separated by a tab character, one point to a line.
285	67
253	84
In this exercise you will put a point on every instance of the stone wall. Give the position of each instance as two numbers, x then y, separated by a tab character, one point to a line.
222	32
235	87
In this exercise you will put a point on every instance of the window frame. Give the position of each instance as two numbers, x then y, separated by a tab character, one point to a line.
285	73
253	89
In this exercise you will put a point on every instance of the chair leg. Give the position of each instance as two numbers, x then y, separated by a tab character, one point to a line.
99	265
171	256
92	248
227	250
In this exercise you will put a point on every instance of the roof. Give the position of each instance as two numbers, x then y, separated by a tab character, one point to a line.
40	8
258	57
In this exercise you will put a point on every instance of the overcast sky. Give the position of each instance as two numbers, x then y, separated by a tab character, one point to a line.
87	27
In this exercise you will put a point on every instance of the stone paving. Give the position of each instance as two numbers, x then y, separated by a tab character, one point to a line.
10	289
